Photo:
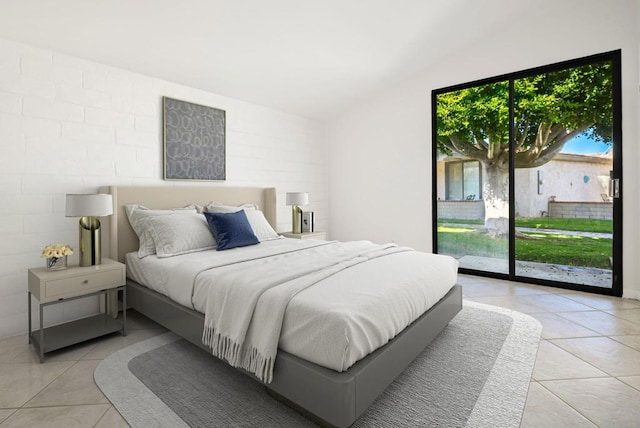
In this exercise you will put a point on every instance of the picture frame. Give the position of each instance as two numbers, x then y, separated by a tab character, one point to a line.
308	222
194	141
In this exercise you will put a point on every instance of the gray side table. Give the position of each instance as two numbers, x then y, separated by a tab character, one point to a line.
52	287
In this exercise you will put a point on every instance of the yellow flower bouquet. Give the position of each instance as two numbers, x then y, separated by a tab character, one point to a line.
56	255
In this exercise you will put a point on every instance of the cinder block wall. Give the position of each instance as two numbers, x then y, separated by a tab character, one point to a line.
596	210
466	210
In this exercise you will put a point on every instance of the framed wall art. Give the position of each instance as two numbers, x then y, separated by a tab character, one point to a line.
194	141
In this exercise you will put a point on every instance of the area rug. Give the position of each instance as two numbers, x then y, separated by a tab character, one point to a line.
476	373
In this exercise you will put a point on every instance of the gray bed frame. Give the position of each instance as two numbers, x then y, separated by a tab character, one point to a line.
330	398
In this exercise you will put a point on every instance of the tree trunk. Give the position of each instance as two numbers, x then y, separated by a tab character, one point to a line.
495	193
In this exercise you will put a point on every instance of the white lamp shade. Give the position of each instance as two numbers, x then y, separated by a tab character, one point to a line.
92	205
297	198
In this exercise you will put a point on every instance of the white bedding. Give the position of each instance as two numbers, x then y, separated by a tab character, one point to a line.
333	323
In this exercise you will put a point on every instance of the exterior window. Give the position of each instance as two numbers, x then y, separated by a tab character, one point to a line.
463	181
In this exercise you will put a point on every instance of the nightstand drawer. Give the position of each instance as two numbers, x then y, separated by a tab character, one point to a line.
83	283
50	285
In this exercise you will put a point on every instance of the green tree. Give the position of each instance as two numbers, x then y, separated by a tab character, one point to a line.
549	110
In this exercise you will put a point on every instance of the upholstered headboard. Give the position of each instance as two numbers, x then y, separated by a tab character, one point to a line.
122	238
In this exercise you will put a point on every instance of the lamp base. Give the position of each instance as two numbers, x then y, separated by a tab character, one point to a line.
296	219
90	245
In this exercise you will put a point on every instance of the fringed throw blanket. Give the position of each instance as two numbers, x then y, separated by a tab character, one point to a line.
247	301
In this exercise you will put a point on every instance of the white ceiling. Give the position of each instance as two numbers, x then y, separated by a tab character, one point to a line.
308	57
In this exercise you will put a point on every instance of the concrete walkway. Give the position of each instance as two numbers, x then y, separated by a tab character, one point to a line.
565	232
571	274
536	230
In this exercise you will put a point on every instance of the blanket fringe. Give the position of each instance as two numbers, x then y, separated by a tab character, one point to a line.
259	365
248	359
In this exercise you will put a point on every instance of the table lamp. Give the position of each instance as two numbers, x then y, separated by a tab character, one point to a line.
88	208
295	199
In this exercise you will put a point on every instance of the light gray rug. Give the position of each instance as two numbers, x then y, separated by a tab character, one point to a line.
475	373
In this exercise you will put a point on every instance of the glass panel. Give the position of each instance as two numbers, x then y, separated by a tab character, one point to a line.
454	181
562	132
471	177
472	128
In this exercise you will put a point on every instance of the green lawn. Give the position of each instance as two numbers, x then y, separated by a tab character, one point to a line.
566	250
459	221
556	249
462	241
577	224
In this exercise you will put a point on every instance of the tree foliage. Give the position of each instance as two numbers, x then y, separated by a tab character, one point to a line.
549	110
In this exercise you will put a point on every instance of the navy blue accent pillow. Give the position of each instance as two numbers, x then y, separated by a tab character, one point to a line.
231	230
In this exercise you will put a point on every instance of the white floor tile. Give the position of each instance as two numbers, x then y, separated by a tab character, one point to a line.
543	409
73	387
57	417
610	356
554	362
607	402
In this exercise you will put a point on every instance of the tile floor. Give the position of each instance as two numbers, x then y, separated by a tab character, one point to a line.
61	392
587	372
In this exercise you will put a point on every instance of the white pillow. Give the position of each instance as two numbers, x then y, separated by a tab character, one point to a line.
180	234
261	227
217	207
138	216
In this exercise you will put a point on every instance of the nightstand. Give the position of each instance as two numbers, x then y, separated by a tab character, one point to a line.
306	235
50	287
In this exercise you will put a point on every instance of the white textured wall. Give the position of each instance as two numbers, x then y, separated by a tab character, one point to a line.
380	151
70	126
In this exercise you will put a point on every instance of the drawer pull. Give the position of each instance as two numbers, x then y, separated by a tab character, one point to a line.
86	281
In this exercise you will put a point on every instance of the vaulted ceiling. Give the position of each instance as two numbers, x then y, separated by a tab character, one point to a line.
311	58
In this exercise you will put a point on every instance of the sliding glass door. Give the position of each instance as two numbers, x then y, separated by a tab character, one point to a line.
473	156
526	175
564	228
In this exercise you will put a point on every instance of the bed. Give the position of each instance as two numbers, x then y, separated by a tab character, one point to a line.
330	397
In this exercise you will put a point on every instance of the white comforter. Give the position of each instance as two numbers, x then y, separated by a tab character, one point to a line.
333	323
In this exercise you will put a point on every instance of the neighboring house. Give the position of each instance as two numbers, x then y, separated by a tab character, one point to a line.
566	178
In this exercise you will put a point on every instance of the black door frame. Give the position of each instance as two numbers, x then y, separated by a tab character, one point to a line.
615	58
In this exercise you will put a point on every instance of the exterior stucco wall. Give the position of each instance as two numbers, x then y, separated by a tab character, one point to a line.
567	178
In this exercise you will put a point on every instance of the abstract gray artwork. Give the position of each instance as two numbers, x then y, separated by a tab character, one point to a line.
194	141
